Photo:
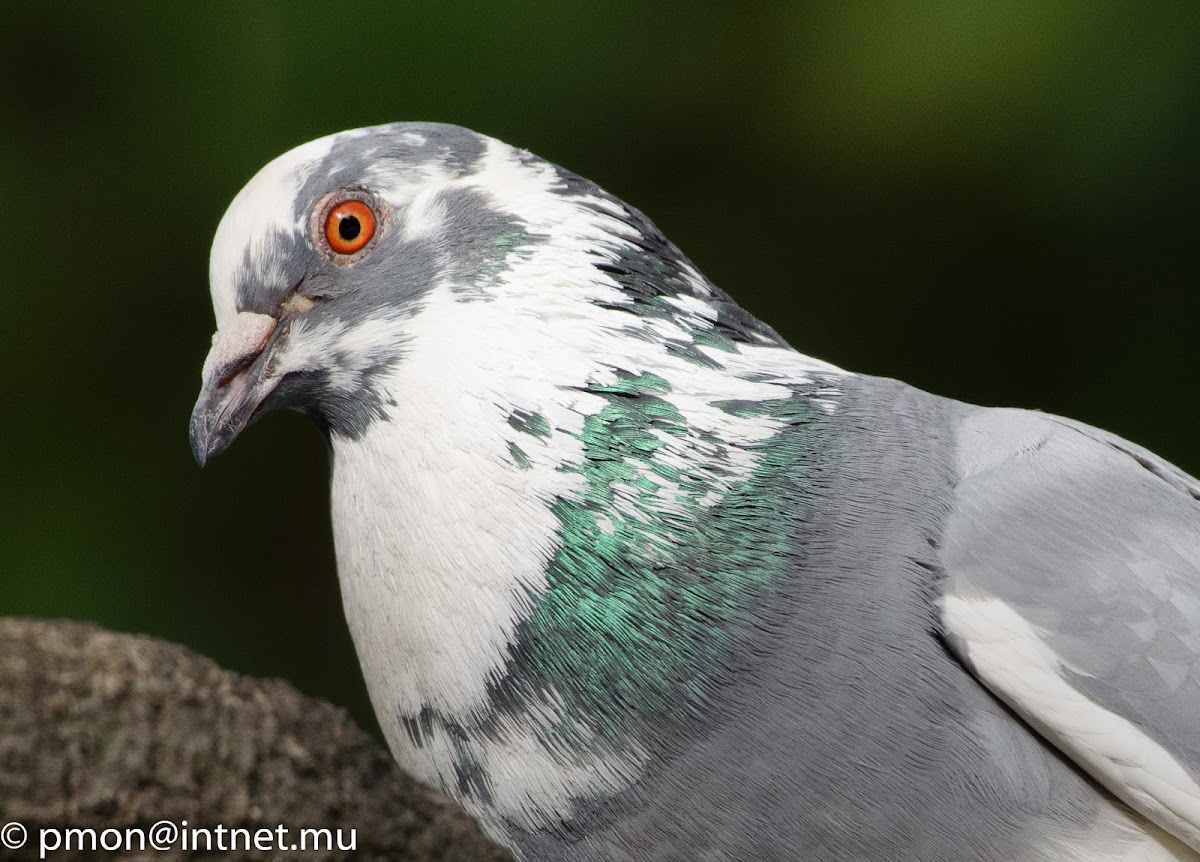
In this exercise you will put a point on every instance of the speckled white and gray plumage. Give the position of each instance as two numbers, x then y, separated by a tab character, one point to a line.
632	579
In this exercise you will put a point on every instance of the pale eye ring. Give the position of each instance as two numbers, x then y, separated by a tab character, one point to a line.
350	224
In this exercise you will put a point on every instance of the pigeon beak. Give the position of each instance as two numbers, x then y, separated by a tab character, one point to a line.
233	384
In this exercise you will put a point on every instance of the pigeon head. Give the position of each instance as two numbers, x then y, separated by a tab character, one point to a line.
549	435
325	262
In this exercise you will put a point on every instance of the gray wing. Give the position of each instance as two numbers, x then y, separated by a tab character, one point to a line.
1072	592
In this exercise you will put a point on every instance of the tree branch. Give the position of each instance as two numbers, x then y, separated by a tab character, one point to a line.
100	730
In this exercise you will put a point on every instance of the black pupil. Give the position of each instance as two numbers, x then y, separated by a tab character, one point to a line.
349	228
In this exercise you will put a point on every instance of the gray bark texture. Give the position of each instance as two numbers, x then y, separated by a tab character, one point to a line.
100	730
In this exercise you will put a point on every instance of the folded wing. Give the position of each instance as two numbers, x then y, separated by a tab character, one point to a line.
1072	592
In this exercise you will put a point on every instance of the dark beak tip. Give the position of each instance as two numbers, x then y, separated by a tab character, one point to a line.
216	422
198	437
208	433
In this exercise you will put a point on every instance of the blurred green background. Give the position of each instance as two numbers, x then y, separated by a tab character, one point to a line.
994	200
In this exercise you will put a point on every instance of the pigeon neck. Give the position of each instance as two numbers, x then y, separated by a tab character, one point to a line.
651	577
546	566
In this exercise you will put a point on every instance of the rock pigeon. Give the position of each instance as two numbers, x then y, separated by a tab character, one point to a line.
632	579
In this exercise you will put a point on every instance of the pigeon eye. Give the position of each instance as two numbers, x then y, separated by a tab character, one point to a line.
349	227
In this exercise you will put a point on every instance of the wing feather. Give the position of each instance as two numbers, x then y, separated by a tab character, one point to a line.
1072	592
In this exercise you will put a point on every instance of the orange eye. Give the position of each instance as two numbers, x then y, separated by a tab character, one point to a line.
349	227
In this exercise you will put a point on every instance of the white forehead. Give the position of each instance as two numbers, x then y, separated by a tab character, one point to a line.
267	204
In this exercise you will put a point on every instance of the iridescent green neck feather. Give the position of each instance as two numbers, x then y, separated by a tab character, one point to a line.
654	572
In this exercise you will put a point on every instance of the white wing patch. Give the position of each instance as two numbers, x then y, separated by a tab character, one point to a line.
1020	669
1116	835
